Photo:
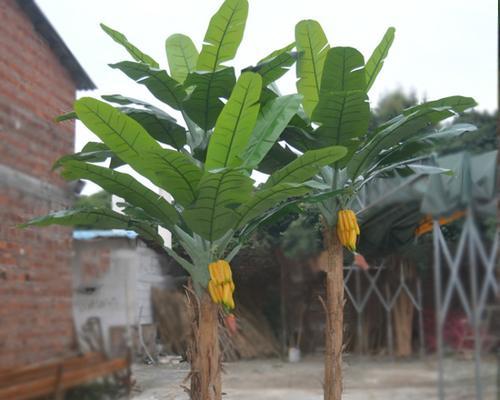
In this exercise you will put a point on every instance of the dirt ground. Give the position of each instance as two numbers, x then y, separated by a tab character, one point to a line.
365	379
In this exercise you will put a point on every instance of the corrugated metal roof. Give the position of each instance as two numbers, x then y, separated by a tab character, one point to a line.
108	233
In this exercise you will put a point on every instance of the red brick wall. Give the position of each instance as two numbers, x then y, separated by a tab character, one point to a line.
35	279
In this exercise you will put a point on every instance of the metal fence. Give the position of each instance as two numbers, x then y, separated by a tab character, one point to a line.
477	258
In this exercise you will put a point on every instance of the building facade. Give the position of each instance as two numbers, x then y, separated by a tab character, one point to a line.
39	78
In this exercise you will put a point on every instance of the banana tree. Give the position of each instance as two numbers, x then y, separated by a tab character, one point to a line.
334	84
229	127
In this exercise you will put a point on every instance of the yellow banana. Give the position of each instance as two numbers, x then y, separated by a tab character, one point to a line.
352	240
212	268
220	291
220	271
347	228
221	285
230	303
228	276
213	292
227	293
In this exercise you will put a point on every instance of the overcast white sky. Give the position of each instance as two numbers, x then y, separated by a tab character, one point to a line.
442	47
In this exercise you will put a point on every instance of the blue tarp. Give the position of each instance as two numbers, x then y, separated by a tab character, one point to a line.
108	233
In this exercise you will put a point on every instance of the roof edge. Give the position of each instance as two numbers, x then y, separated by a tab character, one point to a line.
43	26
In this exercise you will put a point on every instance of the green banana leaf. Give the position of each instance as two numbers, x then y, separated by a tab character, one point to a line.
275	65
181	55
158	82
376	60
204	104
265	199
97	218
235	123
138	55
161	126
312	46
171	170
223	36
306	166
93	152
212	214
412	122
124	186
271	122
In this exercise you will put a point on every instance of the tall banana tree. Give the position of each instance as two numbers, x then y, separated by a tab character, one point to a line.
334	83
230	124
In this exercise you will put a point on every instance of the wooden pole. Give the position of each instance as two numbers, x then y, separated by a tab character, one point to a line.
205	354
334	315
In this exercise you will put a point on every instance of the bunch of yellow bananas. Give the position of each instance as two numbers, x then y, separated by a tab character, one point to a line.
347	228
221	285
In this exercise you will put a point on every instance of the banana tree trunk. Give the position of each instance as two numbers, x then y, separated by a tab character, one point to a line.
205	355
334	315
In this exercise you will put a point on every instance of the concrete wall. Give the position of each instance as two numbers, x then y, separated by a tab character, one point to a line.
35	280
112	280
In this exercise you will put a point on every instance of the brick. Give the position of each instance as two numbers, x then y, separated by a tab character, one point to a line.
35	279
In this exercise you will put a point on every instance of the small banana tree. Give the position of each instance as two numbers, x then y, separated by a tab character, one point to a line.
334	84
205	164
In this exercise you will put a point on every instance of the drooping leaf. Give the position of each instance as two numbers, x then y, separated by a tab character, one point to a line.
223	35
235	123
204	103
212	214
126	101
126	138
456	104
115	162
422	145
376	60
135	212
158	82
65	117
299	138
124	186
312	46
275	65
182	56
268	198
306	166
272	120
412	122
447	134
96	218
277	157
93	152
160	126
132	50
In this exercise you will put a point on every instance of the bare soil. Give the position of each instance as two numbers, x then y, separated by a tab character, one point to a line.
364	379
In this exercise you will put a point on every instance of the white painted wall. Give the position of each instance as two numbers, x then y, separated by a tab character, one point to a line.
122	290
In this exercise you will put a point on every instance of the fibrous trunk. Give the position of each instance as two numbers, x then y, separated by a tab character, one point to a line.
334	315
204	353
